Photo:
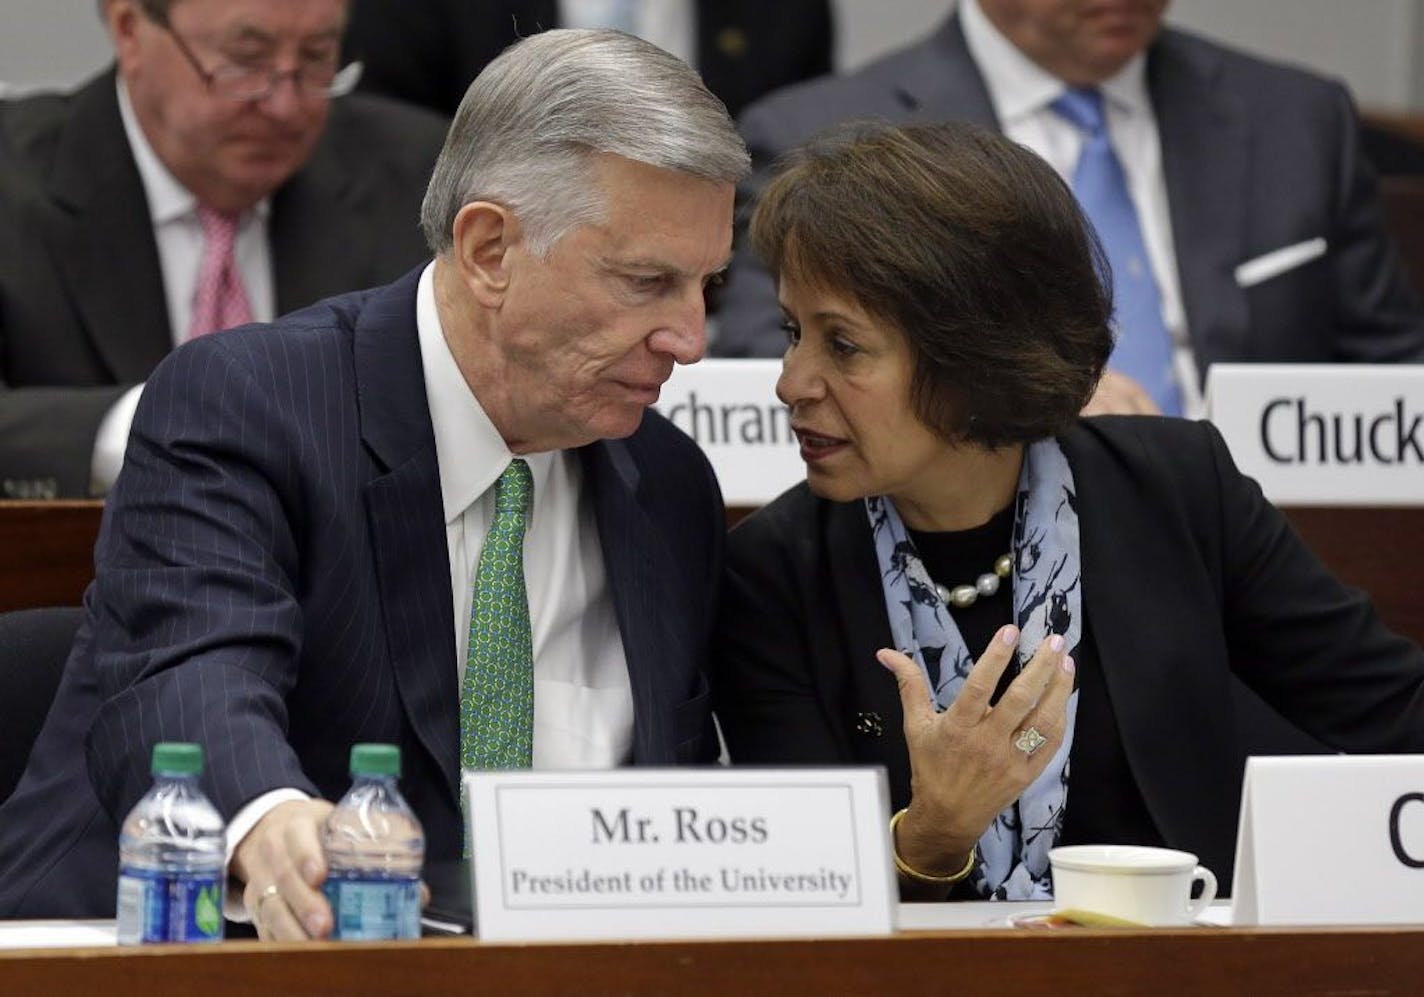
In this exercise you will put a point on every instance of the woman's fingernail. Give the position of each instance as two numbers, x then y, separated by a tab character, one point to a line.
1068	665
1055	643
1009	635
314	924
310	871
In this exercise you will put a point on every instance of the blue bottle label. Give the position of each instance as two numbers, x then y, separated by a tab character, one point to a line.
368	906
159	906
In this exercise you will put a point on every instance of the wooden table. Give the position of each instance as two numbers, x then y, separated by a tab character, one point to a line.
1000	963
46	552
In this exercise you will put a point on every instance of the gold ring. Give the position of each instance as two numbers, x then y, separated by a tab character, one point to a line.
267	894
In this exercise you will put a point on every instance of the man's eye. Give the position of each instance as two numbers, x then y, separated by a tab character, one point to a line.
648	282
715	280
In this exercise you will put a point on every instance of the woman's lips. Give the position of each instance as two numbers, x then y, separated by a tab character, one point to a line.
816	447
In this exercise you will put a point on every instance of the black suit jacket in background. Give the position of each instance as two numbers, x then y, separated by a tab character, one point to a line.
83	315
273	583
1256	157
428	51
1192	583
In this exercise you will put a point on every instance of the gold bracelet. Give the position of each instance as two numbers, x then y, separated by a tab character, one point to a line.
904	869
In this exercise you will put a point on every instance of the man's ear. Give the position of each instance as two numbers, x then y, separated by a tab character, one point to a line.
484	235
121	19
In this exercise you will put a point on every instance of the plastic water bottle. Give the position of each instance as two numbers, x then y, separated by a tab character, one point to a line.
172	856
374	851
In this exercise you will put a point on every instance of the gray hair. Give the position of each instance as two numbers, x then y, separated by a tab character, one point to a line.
525	132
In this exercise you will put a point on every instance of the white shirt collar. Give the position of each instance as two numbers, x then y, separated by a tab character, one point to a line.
168	199
471	453
1019	87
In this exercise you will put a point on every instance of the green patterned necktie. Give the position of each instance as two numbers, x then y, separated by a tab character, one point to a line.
497	700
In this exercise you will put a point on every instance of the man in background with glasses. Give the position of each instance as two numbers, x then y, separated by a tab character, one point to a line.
211	178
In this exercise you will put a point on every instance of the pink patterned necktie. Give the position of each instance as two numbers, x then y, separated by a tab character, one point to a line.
219	300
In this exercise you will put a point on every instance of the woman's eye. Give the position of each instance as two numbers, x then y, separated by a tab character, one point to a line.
792	330
843	347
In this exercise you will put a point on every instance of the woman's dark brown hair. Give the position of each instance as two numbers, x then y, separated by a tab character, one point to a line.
973	248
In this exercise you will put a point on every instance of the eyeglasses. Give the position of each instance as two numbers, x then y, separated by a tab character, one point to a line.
243	83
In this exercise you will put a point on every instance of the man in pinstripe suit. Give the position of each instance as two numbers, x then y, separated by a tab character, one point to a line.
285	563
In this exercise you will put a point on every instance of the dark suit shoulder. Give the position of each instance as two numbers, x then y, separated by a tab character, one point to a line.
1256	81
319	333
353	114
659	447
789	116
785	521
1174	449
30	128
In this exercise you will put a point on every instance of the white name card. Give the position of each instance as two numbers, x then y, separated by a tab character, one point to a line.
1327	434
1331	839
730	408
680	853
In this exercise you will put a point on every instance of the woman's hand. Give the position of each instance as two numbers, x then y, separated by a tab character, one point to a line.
964	765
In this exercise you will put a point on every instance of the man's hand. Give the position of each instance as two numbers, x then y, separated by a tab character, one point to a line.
281	865
1118	394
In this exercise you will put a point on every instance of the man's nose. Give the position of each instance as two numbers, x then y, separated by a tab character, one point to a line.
286	99
684	336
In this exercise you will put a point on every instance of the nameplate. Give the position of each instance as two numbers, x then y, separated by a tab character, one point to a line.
730	408
679	853
1324	434
1331	840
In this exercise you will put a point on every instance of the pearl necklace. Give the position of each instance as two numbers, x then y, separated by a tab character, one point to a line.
964	596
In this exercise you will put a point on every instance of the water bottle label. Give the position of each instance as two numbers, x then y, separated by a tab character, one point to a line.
157	906
369	907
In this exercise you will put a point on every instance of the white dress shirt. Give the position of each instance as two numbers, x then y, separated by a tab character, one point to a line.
179	236
583	699
671	25
1021	92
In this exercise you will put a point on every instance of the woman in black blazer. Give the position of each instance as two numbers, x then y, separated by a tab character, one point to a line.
1079	603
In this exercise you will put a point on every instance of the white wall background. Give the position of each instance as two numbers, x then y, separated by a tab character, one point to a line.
1376	46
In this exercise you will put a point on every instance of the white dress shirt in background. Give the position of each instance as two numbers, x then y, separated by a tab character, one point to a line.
671	25
179	236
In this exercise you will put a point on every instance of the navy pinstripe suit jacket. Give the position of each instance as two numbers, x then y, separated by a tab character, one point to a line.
272	582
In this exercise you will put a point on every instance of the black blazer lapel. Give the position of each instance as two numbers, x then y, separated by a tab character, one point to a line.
1206	142
104	248
847	659
319	246
406	519
1162	670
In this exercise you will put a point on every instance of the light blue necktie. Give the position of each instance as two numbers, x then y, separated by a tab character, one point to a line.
1144	347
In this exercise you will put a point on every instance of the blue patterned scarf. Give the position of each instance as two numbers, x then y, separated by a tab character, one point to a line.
1047	597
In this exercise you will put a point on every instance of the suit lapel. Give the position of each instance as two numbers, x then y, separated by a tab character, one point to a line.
877	720
406	521
318	245
1158	667
104	248
639	568
1206	144
941	82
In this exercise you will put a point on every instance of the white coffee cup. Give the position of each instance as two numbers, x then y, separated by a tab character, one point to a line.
1131	882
